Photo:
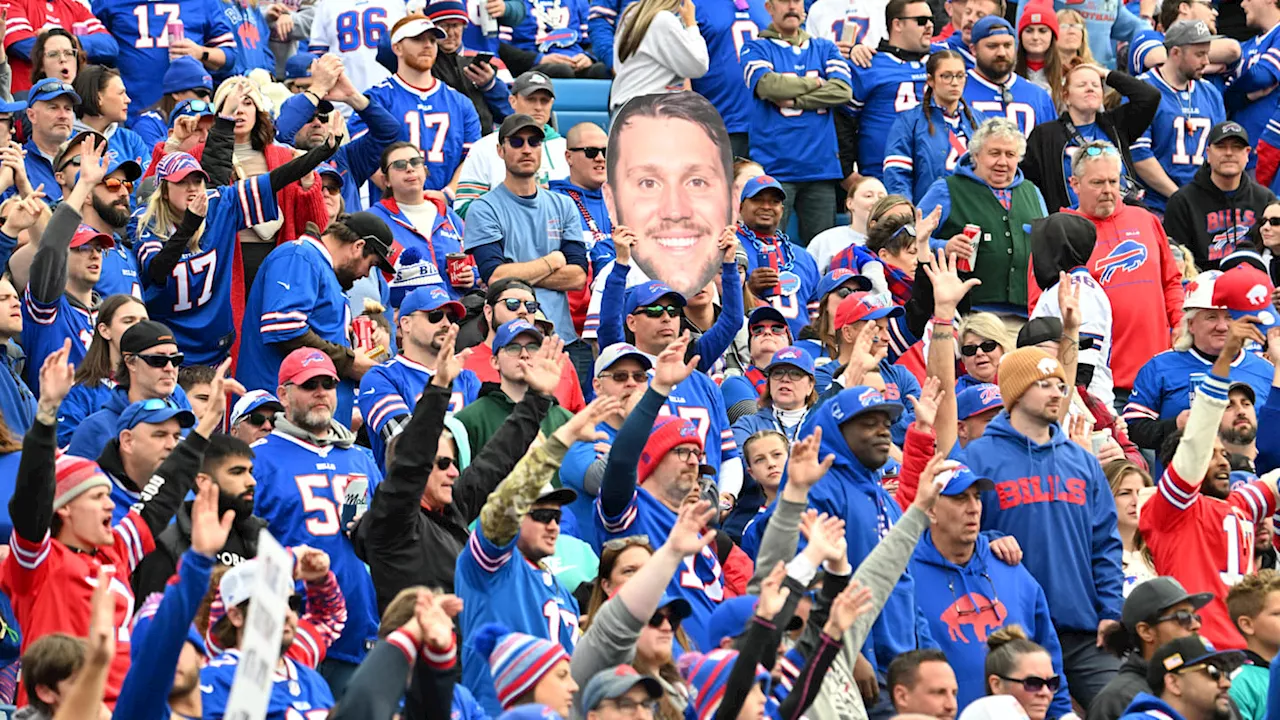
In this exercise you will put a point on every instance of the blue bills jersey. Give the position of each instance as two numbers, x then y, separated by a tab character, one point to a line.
195	301
552	27
119	273
440	120
698	580
301	491
1140	47
140	29
890	86
727	26
774	129
1251	90
295	291
1179	132
391	390
699	401
1165	386
497	584
1020	100
297	692
44	328
796	294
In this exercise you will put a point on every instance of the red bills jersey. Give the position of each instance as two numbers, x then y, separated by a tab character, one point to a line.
1205	543
51	586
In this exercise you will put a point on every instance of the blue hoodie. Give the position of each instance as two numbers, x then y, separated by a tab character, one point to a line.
1055	500
1017	599
1146	706
99	428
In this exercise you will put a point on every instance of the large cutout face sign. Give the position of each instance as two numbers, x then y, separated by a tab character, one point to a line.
670	174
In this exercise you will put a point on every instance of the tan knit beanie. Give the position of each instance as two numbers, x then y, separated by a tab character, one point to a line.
1021	368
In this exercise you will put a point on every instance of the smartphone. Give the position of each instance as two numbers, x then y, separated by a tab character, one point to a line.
486	58
849	33
1099	440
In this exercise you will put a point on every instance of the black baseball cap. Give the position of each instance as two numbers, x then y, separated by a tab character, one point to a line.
145	335
1149	599
71	148
515	123
1187	652
1228	129
1044	329
376	234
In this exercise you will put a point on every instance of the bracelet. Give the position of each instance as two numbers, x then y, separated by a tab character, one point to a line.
549	268
939	321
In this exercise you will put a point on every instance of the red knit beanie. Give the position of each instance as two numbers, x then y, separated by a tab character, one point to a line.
1038	12
668	432
76	476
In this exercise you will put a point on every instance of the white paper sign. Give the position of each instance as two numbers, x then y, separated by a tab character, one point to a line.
264	627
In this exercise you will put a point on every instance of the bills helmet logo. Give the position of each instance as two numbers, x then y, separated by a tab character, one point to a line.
787	354
316	356
438	293
1127	256
687	429
565	38
870	396
788	283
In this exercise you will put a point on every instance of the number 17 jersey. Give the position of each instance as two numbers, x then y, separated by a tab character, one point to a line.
1179	132
890	86
351	29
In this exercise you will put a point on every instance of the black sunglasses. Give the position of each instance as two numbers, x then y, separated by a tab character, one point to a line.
544	516
407	163
1032	684
322	118
326	382
920	20
518	142
621	376
435	316
1183	617
159	361
513	304
655	311
844	291
986	346
1272	221
1214	672
444	463
258	419
591	152
655	622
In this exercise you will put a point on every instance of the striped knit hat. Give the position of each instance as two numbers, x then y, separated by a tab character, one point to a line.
708	674
516	661
76	476
439	10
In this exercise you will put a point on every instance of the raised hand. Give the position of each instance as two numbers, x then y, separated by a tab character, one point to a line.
208	531
57	375
928	489
235	98
926	224
852	602
100	646
93	162
449	365
772	594
435	614
948	288
623	239
671	369
866	357
1239	332
685	538
825	535
1080	430
582	426
804	470
542	372
312	565
24	213
217	405
1068	303
728	240
926	406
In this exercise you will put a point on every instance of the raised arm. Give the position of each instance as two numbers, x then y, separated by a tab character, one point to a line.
31	506
717	338
48	278
948	291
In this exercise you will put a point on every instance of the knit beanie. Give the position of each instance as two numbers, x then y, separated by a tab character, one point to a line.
1038	12
707	675
1020	370
668	432
76	476
516	661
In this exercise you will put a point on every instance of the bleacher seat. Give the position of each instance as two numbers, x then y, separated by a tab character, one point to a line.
579	101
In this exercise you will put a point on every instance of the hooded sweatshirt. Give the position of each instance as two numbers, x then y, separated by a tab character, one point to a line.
1212	222
94	431
1003	595
1146	706
1055	500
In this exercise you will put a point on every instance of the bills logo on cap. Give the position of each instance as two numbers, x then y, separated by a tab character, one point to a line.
841	273
1047	366
687	429
316	356
1258	296
787	354
990	395
438	292
870	396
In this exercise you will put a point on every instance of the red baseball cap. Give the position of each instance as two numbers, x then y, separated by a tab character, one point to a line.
85	235
865	306
303	364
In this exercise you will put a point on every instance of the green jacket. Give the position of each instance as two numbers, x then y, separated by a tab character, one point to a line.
1249	688
483	417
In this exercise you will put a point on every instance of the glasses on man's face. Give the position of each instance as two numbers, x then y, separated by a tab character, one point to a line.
656	311
919	20
768	329
435	316
518	141
513	304
59	54
792	374
515	348
258	419
684	454
316	383
986	346
1058	385
1034	684
1187	619
1214	672
591	152
951	78
630	708
158	361
444	463
322	118
405	164
114	184
621	376
544	516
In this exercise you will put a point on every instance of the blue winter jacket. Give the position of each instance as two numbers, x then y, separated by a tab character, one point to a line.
16	400
1055	500
915	158
99	428
1002	594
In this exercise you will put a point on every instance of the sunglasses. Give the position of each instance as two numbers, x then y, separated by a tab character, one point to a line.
1033	684
513	304
155	404
986	346
402	165
322	118
591	152
621	376
315	383
544	516
656	311
920	20
1184	618
772	329
1214	672
435	316
843	291
623	543
519	142
258	419
1095	151
514	349
661	616
444	463
159	361
114	184
1272	221
199	106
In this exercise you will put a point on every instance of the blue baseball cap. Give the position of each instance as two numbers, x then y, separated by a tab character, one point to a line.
729	619
331	169
647	292
510	331
153	411
298	66
51	88
861	399
766	312
186	73
759	184
840	277
193	107
432	297
251	401
989	26
977	399
961	479
13	106
795	357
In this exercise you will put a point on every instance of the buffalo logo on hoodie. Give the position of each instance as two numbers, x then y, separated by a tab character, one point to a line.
1128	256
980	614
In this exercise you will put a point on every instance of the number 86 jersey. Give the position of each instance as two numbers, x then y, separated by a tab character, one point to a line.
352	30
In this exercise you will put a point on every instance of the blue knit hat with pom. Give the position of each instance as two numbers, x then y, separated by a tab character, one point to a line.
516	661
708	674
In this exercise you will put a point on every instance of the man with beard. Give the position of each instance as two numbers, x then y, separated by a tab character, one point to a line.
1200	531
389	392
308	119
304	469
1051	495
519	230
1189	679
993	88
106	210
228	465
434	116
297	301
469	75
779	272
1239	427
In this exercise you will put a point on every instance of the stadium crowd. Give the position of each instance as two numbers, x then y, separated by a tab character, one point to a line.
876	358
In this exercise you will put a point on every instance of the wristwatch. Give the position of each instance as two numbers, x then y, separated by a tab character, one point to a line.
204	56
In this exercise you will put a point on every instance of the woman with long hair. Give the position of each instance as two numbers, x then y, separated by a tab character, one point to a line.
1020	667
861	260
187	265
56	54
1073	39
984	339
658	48
95	378
764	457
1127	480
926	142
863	193
1038	58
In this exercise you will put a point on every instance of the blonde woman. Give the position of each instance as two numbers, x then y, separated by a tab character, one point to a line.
984	339
1127	480
657	49
1073	38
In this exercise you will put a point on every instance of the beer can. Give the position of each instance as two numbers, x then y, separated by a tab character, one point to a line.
175	30
456	265
362	328
966	263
